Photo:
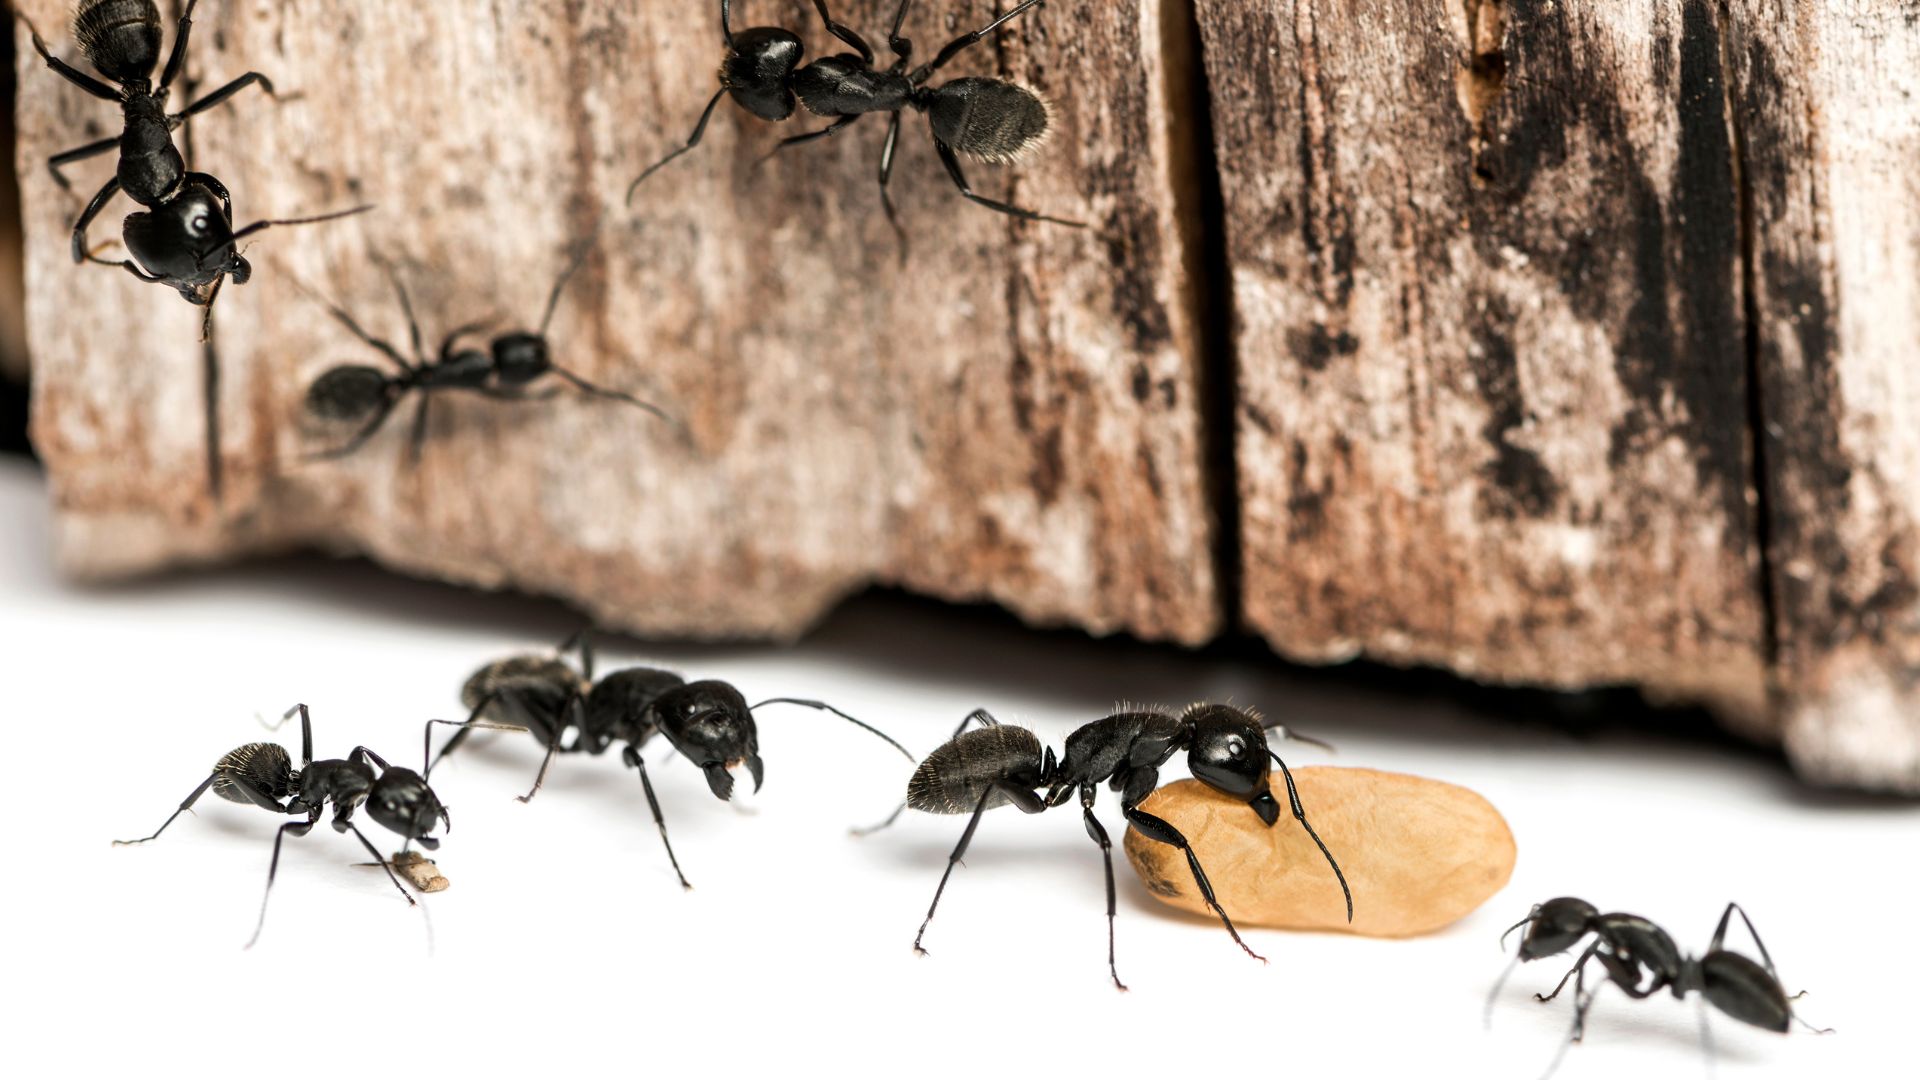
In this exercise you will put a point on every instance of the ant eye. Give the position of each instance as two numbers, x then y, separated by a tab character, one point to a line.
1236	747
199	223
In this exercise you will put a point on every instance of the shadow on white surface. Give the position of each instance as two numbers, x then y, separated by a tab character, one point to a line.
565	942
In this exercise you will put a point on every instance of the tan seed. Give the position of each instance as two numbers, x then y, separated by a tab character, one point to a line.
1419	854
419	870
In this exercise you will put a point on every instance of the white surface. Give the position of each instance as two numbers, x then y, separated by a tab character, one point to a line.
565	942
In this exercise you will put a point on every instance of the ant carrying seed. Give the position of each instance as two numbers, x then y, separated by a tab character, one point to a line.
998	764
1641	959
185	237
359	393
990	119
261	774
708	722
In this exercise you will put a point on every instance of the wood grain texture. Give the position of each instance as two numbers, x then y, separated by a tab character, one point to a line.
1492	384
1010	416
1829	109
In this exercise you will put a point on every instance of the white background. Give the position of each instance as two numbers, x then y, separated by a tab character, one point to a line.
565	943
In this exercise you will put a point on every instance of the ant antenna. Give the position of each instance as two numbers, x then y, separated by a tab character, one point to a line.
726	22
1300	815
1531	915
824	707
259	226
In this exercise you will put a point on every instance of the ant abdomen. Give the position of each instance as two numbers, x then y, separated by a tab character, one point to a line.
266	766
954	778
121	38
989	119
520	357
347	392
1745	991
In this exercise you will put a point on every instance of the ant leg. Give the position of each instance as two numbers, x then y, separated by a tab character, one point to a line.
693	140
418	439
952	163
1300	815
844	33
100	199
223	95
984	718
1027	801
80	153
632	757
1574	1035
371	850
960	44
297	828
902	47
359	437
1154	828
61	68
886	176
1577	966
185	805
541	776
806	137
182	30
1099	834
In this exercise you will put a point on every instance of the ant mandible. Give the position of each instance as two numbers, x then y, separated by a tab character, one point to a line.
998	764
708	722
990	119
185	237
368	395
261	774
1641	959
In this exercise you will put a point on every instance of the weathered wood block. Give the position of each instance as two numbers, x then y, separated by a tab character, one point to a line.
1569	344
1011	415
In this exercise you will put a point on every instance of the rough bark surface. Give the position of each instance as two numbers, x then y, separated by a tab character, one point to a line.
1517	283
1513	286
1011	416
1828	108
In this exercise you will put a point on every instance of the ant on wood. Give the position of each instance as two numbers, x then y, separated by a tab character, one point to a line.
360	393
184	237
993	120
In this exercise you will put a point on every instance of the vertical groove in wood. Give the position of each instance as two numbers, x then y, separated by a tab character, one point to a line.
1487	272
1829	100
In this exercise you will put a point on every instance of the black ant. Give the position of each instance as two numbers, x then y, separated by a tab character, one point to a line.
990	119
1641	959
708	722
261	774
998	764
185	237
367	395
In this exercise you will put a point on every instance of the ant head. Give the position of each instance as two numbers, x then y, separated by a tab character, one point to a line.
120	37
347	392
710	723
991	119
1556	926
403	803
187	239
755	71
1228	752
520	357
